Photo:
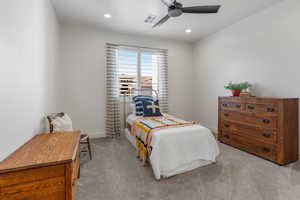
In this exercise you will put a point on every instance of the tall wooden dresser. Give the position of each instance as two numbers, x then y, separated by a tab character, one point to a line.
45	168
266	127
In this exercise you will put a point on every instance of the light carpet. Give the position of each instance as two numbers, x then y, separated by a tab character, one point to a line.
116	174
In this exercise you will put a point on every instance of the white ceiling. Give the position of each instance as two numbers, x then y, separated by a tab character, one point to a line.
128	16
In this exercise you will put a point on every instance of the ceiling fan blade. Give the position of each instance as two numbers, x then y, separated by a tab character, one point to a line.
201	9
161	21
167	3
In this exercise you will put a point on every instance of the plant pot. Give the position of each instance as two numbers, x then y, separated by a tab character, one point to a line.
236	93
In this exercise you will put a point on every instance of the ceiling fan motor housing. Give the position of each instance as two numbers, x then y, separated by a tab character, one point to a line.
175	10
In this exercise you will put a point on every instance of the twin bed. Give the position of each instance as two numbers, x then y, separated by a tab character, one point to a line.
176	148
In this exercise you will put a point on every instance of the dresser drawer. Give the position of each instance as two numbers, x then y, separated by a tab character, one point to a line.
263	122
261	149
225	137
231	106
48	189
262	108
30	175
263	135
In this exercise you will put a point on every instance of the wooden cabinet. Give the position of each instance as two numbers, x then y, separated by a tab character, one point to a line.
266	127
46	167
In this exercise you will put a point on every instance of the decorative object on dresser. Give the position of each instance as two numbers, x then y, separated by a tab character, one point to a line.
46	168
237	88
266	127
58	120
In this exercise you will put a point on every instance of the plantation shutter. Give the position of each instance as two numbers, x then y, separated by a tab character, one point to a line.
163	89
113	118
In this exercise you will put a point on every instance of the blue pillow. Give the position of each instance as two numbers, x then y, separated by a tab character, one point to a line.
139	104
139	111
139	97
151	108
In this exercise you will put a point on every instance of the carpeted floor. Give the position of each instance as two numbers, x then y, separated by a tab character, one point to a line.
116	174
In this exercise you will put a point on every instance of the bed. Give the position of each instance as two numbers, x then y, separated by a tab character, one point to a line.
176	150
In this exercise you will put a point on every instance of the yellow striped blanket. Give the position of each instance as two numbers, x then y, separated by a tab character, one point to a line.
144	127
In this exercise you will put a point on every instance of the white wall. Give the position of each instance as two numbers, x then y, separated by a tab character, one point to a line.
263	49
83	65
29	55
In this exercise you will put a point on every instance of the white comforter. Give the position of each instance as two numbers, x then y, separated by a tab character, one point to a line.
177	150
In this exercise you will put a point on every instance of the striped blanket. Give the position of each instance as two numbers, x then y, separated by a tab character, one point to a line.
144	127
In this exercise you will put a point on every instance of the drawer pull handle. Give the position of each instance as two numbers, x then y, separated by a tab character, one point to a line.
270	109
266	121
265	149
227	125
13	193
266	135
225	105
238	106
226	136
226	115
251	107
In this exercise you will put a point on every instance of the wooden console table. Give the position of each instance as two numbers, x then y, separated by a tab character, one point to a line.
46	168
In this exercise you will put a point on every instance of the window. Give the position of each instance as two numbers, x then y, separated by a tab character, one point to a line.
127	62
137	68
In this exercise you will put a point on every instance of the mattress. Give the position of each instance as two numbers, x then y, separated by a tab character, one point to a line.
178	150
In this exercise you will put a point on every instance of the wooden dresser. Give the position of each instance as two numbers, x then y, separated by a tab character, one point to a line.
45	168
266	127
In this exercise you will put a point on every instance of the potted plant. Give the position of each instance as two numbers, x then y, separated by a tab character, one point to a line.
236	88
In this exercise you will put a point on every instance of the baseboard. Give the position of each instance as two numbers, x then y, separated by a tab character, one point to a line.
96	135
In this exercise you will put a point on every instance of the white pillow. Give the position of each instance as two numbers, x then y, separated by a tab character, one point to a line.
63	123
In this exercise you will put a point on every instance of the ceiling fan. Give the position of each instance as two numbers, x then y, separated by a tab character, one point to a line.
175	9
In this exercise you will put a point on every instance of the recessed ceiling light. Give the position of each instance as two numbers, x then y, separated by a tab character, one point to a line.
188	30
107	15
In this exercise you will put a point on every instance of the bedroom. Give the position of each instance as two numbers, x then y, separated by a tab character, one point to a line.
54	60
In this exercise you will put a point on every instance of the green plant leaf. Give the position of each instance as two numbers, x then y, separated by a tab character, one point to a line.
237	86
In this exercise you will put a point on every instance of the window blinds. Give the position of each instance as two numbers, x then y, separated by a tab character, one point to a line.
162	63
113	118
